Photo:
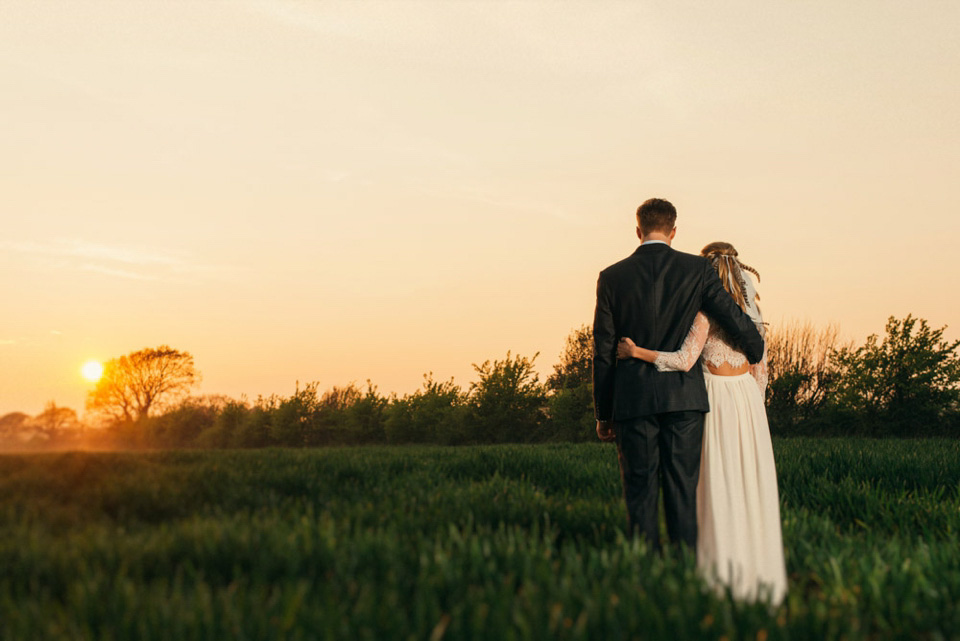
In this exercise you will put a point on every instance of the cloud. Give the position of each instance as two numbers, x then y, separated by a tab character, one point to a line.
121	261
120	273
76	248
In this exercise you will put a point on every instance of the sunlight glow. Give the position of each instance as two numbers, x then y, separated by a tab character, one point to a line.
92	371
326	184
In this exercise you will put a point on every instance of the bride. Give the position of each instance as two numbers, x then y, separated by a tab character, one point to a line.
739	544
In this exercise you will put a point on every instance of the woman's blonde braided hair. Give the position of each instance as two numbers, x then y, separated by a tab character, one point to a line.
723	257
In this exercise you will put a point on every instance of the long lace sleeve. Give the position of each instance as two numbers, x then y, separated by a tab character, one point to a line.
685	357
760	372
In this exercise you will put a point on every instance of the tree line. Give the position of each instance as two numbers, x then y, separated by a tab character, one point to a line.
905	383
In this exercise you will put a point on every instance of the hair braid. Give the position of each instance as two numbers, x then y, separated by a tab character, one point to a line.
749	269
723	257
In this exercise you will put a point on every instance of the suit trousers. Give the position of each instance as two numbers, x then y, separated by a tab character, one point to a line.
661	449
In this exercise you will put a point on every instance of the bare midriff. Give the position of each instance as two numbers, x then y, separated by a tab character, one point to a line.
728	370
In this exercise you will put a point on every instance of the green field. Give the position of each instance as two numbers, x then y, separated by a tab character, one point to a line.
506	542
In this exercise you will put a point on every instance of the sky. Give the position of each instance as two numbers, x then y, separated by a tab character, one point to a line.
341	191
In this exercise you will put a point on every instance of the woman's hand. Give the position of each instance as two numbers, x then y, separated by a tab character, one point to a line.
626	348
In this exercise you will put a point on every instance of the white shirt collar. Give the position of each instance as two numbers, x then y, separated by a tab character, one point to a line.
652	242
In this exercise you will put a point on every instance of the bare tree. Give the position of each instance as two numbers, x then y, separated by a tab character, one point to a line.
12	427
142	381
803	374
55	420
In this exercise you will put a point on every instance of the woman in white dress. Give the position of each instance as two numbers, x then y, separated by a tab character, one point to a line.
739	544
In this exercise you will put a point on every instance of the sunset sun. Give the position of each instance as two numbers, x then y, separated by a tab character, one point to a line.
92	371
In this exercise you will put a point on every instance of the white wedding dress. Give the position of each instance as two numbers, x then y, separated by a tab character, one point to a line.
739	541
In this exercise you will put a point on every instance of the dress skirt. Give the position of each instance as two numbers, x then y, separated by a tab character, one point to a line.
740	545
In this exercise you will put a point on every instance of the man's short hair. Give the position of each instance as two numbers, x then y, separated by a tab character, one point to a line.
656	215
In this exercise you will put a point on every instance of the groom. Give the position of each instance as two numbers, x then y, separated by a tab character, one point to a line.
656	418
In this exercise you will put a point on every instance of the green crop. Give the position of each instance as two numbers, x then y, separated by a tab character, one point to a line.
493	542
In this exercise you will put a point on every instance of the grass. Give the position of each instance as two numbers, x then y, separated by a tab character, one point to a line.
497	542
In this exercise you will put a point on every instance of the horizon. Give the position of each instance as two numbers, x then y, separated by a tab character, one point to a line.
339	192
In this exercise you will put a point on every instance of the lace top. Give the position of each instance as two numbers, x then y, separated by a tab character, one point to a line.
708	339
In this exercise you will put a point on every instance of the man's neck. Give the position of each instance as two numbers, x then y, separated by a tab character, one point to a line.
649	238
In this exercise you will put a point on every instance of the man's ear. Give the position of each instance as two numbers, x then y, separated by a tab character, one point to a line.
639	234
673	233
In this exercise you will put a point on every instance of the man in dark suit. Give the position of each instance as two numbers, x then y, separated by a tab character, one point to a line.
656	418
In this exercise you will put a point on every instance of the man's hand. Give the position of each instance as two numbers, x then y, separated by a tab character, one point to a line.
605	431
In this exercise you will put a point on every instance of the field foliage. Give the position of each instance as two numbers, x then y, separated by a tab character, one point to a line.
425	542
906	384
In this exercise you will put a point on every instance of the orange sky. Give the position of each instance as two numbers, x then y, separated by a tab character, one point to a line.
324	191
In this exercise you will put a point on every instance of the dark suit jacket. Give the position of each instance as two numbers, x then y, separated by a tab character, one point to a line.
652	297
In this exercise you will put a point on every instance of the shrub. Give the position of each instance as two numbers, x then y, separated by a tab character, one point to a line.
225	431
254	430
433	414
575	368
571	416
180	426
365	416
505	404
570	389
907	384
